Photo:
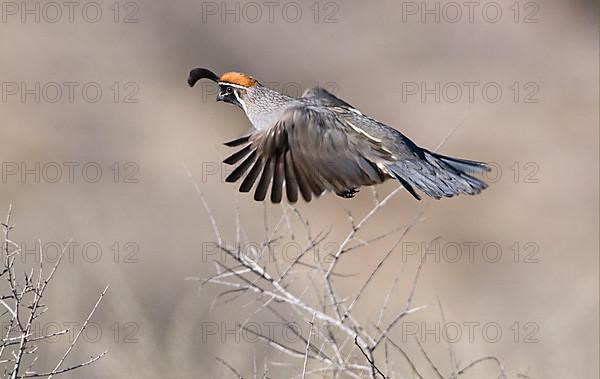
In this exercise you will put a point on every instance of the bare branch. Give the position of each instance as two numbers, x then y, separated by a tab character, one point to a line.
369	359
433	366
312	323
481	360
237	374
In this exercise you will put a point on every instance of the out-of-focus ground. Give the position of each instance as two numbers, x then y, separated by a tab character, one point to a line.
546	194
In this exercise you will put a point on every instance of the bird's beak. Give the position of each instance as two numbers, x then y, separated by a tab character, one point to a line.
220	97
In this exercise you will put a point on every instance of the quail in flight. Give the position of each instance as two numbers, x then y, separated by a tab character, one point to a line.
318	142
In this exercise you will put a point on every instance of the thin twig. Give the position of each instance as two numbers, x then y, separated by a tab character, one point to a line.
312	323
481	360
239	376
371	362
453	362
71	368
438	373
55	371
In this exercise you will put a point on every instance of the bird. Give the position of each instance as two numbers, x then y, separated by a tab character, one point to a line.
319	143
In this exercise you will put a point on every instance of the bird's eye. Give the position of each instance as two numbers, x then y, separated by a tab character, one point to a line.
229	90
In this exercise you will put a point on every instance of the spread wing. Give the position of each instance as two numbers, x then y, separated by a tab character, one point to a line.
311	149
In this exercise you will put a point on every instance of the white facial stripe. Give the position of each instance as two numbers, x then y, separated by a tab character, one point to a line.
241	102
232	85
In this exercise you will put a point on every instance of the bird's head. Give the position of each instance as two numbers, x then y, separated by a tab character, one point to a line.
233	86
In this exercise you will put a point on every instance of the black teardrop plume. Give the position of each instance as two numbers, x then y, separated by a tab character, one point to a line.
201	73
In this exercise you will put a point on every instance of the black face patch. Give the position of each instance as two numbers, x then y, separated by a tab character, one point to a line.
227	94
226	89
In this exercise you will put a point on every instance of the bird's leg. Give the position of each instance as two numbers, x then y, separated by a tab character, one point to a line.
347	194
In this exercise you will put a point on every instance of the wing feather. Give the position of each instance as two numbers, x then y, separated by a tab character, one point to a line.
265	180
278	179
242	168
249	180
237	156
291	183
311	150
238	141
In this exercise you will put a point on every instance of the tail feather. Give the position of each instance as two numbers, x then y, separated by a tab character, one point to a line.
408	187
464	165
440	176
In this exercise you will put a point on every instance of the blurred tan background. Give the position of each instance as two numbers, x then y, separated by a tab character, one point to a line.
546	193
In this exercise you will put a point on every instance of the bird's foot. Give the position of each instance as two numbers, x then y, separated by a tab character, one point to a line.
347	194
